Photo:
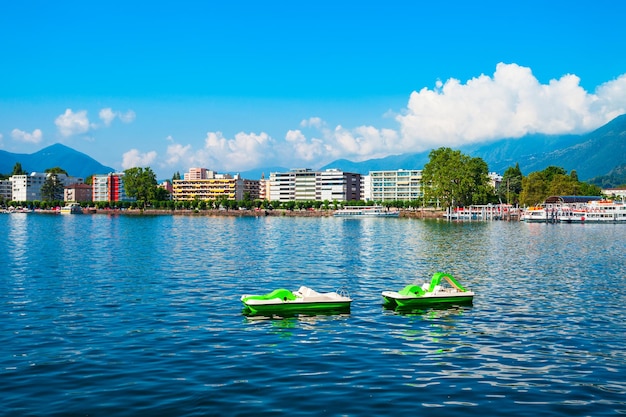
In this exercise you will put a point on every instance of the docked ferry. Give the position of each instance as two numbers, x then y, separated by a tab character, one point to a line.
366	211
605	211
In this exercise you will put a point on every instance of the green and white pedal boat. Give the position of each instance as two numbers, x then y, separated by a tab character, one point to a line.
433	293
304	300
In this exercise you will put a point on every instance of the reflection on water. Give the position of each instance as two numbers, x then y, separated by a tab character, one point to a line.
142	315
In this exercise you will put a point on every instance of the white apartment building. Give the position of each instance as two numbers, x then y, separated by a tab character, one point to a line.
401	184
336	185
308	185
28	187
6	190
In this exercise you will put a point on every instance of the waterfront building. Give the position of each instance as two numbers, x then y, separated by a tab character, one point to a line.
495	180
264	188
77	193
252	188
307	185
401	184
616	193
204	184
6	190
109	187
167	186
28	187
336	185
199	174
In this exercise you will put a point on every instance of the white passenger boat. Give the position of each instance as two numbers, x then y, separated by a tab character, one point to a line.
570	215
605	211
366	211
534	214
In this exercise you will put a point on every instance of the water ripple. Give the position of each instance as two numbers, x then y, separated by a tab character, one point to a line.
143	317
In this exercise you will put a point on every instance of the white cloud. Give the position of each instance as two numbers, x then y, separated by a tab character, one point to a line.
244	151
127	117
305	150
511	103
312	122
107	115
135	159
70	123
177	153
611	98
22	136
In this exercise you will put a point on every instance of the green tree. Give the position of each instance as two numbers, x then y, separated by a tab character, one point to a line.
56	170
589	189
52	188
553	181
17	169
562	184
161	194
455	179
176	176
534	189
511	185
141	184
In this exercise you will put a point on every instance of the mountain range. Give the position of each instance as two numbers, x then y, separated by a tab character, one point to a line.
591	155
598	157
75	163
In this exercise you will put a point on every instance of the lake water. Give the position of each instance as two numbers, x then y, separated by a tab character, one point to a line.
128	315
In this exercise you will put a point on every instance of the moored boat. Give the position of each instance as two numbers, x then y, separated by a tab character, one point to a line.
72	208
605	211
570	215
432	293
534	214
366	211
304	300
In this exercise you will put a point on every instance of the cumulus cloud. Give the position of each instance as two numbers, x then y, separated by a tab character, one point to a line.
312	122
244	151
306	150
107	115
511	103
177	153
70	123
135	159
362	142
22	136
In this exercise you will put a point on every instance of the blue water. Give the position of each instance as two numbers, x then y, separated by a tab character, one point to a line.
121	315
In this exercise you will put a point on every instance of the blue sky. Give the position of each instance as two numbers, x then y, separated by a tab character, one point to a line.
242	85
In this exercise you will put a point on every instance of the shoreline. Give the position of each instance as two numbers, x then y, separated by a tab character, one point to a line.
419	213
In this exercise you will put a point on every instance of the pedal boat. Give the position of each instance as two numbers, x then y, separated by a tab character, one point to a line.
304	300
433	293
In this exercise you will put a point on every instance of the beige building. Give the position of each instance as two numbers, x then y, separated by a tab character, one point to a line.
204	184
77	193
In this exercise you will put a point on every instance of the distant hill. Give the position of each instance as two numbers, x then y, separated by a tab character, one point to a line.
591	155
76	163
615	178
